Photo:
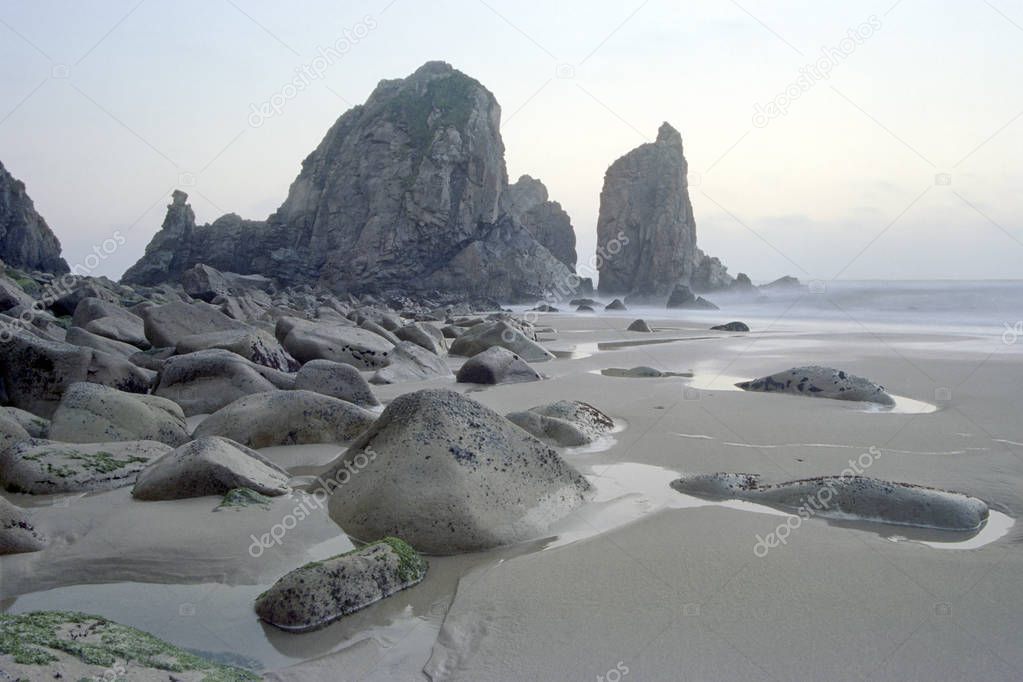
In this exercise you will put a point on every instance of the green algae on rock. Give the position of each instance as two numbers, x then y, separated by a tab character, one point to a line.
73	645
321	592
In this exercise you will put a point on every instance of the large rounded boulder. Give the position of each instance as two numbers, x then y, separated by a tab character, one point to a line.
287	418
450	475
207	380
209	466
90	413
499	333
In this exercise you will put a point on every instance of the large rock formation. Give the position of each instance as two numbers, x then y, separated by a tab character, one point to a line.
646	233
549	224
403	193
26	241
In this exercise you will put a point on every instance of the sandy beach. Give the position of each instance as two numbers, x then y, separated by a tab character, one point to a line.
643	582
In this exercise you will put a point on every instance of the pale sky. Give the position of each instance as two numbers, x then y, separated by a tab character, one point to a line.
907	151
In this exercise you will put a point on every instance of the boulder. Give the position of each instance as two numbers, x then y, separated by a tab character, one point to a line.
496	365
17	534
90	413
36	372
451	475
11	431
287	418
615	305
167	324
731	327
205	283
371	326
682	298
639	326
78	336
322	592
410	362
252	344
45	467
81	288
641	372
418	334
209	466
357	347
120	329
867	499
205	381
584	309
820	382
13	296
336	380
37	427
451	331
90	310
567	423
499	333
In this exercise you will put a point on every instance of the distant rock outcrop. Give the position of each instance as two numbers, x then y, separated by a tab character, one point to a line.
26	241
646	232
404	193
527	200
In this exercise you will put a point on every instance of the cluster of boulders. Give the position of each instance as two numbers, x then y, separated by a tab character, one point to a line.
172	391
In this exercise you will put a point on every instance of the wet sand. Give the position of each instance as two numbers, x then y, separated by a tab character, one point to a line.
642	579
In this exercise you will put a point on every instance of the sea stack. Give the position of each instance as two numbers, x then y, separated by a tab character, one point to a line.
646	232
404	194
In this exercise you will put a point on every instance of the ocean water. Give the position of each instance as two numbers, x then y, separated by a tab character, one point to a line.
991	307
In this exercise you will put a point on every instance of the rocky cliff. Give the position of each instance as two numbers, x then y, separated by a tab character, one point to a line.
403	193
26	241
646	199
549	224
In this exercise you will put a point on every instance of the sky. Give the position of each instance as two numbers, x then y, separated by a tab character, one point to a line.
868	140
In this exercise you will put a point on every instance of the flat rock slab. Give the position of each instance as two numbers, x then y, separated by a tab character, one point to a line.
868	499
450	475
820	382
322	592
287	418
43	467
90	413
209	466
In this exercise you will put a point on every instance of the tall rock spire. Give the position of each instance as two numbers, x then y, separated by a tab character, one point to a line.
646	232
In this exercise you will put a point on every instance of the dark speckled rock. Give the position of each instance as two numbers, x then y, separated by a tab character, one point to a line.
450	475
869	499
820	382
566	423
496	366
322	592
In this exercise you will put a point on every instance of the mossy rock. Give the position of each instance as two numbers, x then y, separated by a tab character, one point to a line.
322	592
69	645
240	498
